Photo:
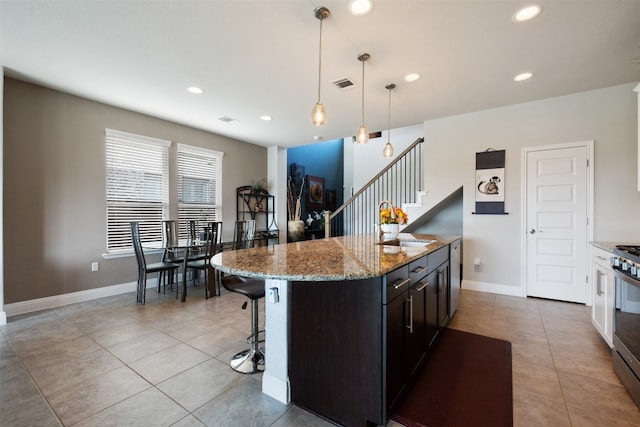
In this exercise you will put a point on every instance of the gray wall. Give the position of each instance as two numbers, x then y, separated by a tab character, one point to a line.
54	187
607	116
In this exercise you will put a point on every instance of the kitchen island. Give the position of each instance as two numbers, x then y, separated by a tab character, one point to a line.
348	321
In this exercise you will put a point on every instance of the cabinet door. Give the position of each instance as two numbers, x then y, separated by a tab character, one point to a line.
454	277
599	299
431	312
602	294
443	294
609	307
396	326
416	333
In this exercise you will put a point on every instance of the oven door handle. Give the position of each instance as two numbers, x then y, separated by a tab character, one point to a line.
626	278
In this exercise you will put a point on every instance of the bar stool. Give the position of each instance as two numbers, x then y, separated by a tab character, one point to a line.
252	360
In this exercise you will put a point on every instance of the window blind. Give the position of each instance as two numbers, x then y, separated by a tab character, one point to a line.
137	187
199	186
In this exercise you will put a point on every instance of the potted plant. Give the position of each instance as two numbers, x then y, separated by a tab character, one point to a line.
258	186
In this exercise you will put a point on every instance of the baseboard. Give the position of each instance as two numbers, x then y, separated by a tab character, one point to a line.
3	318
493	288
54	301
276	388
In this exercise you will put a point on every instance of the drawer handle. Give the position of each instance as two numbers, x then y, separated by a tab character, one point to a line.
601	257
401	284
424	285
418	269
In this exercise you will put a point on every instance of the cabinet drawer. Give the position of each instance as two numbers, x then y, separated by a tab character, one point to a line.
418	269
435	259
601	257
397	282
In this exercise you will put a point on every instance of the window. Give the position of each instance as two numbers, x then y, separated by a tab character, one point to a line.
199	185
137	187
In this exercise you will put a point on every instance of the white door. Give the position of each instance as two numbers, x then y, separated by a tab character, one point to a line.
557	198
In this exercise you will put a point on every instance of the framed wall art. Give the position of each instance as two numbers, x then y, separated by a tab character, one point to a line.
315	193
490	182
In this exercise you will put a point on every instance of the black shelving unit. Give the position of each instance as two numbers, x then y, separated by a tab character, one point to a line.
259	206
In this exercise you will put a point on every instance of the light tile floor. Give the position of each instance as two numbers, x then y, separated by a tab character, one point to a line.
111	362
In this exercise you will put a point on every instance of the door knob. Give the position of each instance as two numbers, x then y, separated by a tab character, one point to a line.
532	231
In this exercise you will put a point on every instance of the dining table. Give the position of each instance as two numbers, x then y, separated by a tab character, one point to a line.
184	246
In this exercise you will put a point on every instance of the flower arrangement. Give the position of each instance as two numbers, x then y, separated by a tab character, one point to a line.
400	216
316	216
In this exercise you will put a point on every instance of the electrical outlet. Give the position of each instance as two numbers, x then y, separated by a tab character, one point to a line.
476	264
95	266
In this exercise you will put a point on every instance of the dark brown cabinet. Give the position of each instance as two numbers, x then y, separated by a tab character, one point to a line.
442	275
355	346
431	312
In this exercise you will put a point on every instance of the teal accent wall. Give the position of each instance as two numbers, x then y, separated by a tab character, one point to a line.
324	160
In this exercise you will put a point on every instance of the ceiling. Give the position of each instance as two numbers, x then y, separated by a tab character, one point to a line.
261	57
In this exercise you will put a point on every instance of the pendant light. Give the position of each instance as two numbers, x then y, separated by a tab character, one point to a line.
388	148
318	114
362	137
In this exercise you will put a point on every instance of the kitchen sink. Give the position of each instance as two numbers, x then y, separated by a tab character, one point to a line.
408	243
413	243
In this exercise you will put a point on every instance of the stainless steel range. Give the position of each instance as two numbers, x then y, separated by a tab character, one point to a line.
626	326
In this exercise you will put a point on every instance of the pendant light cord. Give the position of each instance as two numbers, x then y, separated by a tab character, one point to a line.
363	92
320	60
389	117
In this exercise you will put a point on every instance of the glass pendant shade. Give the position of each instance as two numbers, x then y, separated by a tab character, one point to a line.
388	150
318	114
362	137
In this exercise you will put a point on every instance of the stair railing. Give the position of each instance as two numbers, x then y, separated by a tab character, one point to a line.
399	183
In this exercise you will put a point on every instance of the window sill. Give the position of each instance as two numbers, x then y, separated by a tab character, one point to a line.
129	253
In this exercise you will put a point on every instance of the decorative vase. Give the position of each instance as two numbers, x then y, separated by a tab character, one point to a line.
390	231
295	231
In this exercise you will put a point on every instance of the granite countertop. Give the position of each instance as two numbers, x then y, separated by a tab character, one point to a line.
336	258
606	246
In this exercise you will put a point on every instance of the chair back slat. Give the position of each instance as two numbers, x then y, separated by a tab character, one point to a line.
169	233
244	234
137	246
193	229
214	235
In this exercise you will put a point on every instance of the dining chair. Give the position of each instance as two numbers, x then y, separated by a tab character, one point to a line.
145	269
213	236
252	360
244	234
197	253
169	239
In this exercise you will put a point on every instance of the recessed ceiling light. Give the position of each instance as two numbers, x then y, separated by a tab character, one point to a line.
412	77
360	7
196	90
522	77
527	13
266	118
